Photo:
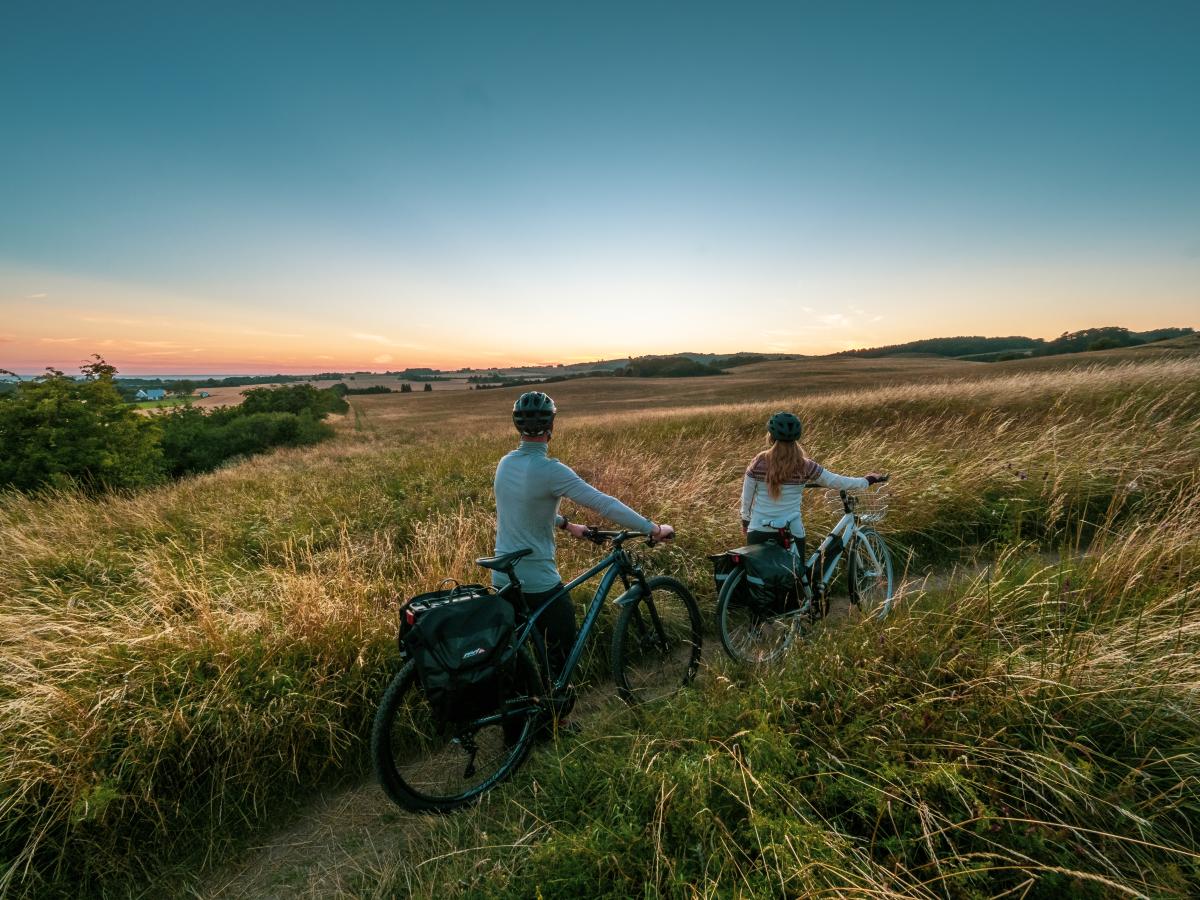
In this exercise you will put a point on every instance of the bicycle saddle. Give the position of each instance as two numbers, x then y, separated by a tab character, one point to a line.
502	561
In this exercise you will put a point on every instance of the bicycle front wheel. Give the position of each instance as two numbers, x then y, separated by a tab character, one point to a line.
656	645
747	634
425	765
869	571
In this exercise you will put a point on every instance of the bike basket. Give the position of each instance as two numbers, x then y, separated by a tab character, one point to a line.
870	504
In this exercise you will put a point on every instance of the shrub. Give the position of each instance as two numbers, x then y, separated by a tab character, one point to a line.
58	431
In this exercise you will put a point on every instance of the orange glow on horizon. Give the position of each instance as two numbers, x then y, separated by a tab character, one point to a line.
53	320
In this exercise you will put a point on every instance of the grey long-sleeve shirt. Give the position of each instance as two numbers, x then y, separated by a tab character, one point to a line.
529	485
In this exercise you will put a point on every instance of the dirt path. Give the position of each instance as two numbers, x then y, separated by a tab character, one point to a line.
340	837
354	832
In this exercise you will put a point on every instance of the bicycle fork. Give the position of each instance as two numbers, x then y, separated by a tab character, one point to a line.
656	634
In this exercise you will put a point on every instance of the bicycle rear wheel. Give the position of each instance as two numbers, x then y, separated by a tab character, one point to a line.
656	645
425	766
747	634
869	572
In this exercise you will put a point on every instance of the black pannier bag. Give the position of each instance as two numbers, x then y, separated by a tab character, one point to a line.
774	576
461	641
724	565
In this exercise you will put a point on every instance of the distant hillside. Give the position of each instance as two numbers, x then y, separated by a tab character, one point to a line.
965	345
680	366
988	349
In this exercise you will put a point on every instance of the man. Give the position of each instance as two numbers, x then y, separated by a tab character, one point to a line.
529	485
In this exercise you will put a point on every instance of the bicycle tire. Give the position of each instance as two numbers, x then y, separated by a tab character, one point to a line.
639	657
864	581
404	715
731	613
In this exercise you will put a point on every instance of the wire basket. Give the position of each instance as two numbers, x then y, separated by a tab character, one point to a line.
870	504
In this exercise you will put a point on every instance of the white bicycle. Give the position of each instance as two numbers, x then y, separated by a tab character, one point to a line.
749	633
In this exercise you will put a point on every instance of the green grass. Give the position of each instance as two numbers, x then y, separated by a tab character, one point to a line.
162	404
187	663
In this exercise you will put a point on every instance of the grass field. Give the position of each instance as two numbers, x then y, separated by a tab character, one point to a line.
162	404
184	667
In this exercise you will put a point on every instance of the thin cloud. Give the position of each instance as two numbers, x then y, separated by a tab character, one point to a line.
61	340
379	339
835	320
383	358
41	296
7	338
254	332
108	320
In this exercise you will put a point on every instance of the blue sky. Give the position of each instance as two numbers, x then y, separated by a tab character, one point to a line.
294	185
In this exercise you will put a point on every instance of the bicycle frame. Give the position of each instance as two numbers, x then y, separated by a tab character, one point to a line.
618	565
830	550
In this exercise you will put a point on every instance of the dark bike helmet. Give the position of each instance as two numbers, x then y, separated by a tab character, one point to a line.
783	426
533	413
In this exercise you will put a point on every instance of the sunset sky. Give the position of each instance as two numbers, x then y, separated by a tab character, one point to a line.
218	187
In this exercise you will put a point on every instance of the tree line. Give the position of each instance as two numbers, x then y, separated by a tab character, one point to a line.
1104	338
60	431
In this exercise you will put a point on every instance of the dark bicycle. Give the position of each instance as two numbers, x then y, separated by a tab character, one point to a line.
655	652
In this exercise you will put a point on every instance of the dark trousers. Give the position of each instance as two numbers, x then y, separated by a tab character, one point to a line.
557	625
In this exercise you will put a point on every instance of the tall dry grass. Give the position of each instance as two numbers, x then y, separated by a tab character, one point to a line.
1033	730
180	665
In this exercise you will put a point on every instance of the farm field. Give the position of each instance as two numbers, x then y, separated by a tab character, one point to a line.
187	669
791	381
232	396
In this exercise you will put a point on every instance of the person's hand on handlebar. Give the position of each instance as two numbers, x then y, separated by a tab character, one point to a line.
876	478
662	533
575	529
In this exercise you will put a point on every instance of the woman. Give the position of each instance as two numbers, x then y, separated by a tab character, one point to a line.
774	484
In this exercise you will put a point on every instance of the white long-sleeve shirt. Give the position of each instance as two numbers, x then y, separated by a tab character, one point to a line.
767	513
529	484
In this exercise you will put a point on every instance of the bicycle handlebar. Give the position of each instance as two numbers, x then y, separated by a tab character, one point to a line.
601	536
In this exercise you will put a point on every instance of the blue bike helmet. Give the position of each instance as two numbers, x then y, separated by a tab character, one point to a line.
783	426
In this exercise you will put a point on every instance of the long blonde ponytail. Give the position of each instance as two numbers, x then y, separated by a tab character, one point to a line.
785	460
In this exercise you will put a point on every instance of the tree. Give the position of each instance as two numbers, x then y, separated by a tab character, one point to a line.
428	386
293	399
62	432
